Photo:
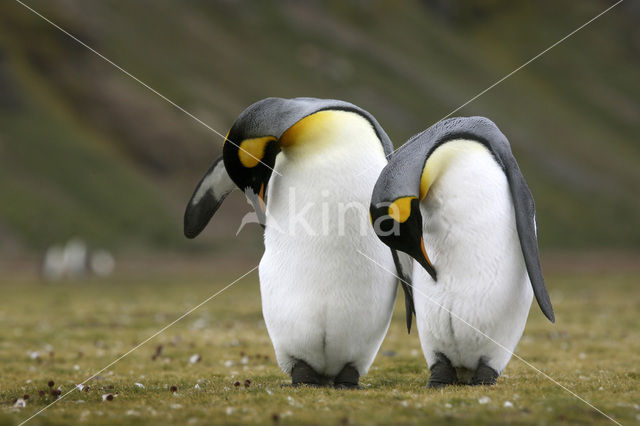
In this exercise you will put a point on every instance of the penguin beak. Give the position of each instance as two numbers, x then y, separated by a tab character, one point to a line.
257	201
423	259
404	235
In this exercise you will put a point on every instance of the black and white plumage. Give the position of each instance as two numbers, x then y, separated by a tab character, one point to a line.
459	205
326	307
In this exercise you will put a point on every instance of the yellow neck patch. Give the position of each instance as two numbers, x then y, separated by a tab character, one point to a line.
316	127
400	209
442	157
251	151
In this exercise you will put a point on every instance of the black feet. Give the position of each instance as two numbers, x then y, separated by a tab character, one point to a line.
347	378
484	375
442	373
303	374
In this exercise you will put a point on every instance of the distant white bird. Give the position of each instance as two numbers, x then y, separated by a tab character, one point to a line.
75	260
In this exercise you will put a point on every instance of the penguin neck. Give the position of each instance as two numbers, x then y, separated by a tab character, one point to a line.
443	157
329	132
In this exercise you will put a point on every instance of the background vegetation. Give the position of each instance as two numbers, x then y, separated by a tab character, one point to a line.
86	151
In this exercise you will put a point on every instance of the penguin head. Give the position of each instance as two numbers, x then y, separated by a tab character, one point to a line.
249	161
261	130
398	224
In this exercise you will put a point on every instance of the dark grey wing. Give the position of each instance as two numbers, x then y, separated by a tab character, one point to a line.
485	131
526	225
209	194
404	269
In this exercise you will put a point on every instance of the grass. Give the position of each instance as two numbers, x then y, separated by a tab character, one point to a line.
76	328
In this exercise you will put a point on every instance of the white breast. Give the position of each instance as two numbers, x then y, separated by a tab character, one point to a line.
471	237
323	302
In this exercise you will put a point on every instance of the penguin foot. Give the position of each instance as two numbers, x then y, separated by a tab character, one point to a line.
484	375
442	373
303	374
347	378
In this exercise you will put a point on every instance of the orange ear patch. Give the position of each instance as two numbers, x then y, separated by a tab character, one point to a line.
251	151
400	209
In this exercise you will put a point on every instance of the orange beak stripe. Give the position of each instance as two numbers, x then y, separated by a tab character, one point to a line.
261	196
424	252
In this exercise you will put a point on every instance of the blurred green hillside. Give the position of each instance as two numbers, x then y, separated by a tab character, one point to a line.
86	151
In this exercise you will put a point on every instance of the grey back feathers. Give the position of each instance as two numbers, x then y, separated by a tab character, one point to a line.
274	116
401	178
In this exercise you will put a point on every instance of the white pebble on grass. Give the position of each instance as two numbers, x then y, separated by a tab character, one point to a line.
507	404
139	385
194	358
175	406
229	411
447	405
228	363
197	387
484	400
293	402
80	387
20	403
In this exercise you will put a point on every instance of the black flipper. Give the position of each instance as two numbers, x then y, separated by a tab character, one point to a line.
209	194
526	225
404	269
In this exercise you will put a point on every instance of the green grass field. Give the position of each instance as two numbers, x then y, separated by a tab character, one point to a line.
66	332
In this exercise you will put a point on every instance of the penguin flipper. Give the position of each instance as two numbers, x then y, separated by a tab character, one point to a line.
525	211
526	225
209	194
404	268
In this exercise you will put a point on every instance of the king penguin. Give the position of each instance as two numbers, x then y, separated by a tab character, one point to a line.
454	199
309	166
